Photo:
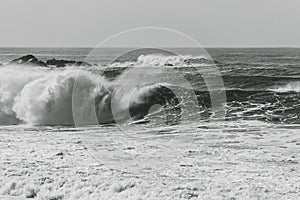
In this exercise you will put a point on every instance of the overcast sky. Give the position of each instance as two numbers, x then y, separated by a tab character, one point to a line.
88	22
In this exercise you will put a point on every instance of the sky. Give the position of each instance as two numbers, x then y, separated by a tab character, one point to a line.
213	23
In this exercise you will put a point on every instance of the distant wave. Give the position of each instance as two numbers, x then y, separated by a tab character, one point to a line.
163	60
290	87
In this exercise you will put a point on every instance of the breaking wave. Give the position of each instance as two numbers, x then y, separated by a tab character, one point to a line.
41	96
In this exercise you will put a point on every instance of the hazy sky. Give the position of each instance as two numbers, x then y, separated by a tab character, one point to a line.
210	22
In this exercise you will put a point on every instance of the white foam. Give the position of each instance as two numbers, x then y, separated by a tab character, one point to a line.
290	87
161	60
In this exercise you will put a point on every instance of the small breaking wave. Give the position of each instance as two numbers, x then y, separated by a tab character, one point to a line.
290	87
165	60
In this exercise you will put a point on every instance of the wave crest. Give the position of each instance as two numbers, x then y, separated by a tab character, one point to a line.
164	60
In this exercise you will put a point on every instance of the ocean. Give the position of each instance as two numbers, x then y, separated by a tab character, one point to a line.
261	84
155	114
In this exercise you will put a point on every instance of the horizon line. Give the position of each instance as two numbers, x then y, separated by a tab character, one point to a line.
210	47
